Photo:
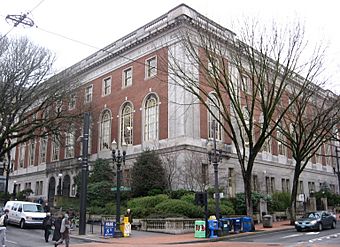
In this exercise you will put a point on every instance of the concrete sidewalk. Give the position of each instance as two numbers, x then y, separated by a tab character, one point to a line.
141	238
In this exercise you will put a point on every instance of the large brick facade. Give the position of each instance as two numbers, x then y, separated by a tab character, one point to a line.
182	129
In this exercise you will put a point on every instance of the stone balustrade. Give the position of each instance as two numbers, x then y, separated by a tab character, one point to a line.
168	225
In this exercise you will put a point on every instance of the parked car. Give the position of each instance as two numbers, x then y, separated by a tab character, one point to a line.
318	220
25	213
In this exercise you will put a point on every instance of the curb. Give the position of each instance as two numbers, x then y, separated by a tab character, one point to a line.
88	238
232	236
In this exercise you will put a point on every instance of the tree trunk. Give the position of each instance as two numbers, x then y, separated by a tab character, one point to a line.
292	209
247	194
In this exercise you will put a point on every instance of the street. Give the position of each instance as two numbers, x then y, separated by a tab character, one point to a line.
17	237
294	238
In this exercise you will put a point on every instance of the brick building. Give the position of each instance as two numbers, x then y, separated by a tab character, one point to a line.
132	99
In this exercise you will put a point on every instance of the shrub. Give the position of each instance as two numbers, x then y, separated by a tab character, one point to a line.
147	201
190	198
142	207
280	201
177	194
177	207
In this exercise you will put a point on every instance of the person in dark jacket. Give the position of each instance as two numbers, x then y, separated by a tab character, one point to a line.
47	208
47	224
57	225
4	222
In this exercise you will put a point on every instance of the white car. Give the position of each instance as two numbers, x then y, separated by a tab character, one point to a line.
25	213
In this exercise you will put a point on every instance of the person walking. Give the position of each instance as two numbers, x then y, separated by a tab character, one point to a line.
47	224
57	226
65	231
3	225
47	208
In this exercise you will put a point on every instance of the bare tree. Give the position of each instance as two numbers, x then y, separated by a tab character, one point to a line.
307	129
171	167
193	172
31	106
241	81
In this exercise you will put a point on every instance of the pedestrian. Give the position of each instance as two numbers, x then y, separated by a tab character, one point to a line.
47	224
47	208
64	231
57	225
40	200
3	225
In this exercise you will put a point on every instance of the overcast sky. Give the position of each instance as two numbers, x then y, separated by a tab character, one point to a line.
101	22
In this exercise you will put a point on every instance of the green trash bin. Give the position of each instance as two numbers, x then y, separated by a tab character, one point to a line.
199	229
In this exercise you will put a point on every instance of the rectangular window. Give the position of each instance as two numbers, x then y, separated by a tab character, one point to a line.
281	148
285	185
151	67
245	82
88	94
21	155
55	149
311	187
43	148
31	153
255	183
231	182
38	187
27	186
270	185
58	106
72	102
69	144
127	77
106	86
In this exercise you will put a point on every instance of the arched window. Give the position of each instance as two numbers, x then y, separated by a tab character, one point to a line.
105	130
214	114
151	118
126	124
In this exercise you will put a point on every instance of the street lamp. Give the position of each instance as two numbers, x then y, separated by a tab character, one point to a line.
118	157
215	156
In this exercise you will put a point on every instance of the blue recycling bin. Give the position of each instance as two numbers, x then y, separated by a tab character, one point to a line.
247	224
213	227
236	224
225	226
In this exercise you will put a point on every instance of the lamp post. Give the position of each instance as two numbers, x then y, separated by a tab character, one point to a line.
215	156
118	157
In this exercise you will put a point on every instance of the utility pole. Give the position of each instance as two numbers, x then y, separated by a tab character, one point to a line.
84	175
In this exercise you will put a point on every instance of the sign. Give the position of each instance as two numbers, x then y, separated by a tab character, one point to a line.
109	228
122	188
199	229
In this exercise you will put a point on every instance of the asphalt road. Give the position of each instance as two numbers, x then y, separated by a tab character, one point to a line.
292	238
17	237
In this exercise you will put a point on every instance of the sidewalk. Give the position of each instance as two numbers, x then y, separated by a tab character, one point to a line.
141	238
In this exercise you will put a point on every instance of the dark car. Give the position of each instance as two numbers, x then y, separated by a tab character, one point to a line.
318	220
